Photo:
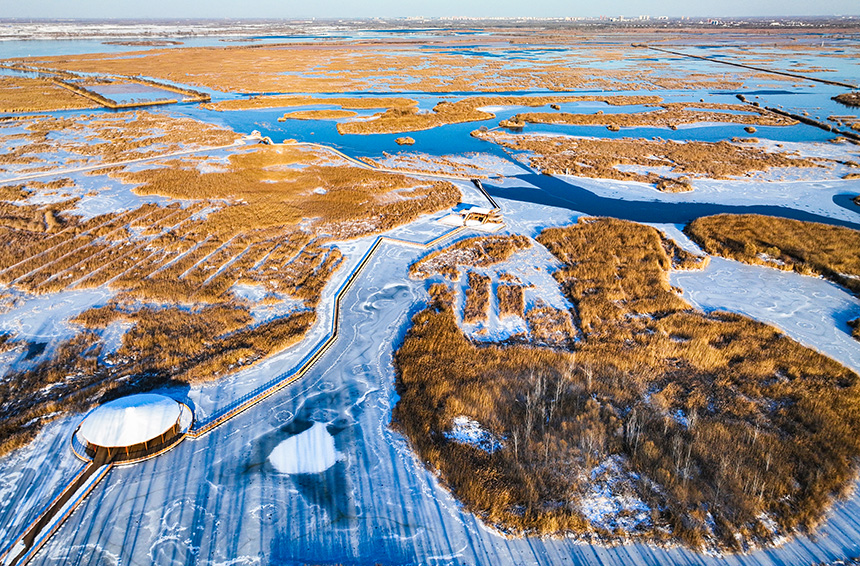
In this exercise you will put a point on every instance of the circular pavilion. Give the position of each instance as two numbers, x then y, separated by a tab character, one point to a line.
131	428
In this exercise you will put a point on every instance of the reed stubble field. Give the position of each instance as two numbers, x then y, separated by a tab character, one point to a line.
729	433
267	218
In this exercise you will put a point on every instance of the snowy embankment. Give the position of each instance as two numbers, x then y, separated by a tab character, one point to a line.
376	505
811	310
812	196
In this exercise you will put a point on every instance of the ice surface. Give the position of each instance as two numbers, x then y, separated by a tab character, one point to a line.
811	310
813	196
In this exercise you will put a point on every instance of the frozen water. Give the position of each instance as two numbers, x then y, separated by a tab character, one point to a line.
309	452
811	310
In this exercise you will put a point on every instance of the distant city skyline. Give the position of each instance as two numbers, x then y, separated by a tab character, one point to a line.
161	9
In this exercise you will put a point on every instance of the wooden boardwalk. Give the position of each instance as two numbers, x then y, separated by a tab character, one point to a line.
25	547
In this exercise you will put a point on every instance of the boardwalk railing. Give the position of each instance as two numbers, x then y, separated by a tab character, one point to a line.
51	516
280	381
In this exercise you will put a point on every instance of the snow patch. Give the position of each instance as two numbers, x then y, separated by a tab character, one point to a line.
309	452
612	501
253	293
770	259
467	431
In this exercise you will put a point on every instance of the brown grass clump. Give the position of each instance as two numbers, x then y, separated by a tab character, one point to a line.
13	192
382	66
806	247
666	114
260	221
21	192
855	328
713	421
848	98
511	300
600	158
479	251
549	326
22	94
288	101
31	219
477	298
410	119
319	115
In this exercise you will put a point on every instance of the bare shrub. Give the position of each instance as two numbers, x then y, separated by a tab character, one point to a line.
511	300
725	420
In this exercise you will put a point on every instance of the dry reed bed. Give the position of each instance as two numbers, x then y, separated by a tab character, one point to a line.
511	300
109	138
408	119
355	67
549	326
477	304
793	245
318	115
848	98
288	101
724	421
21	94
600	158
668	114
480	251
11	193
173	269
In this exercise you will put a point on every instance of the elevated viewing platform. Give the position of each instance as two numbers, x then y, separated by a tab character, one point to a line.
131	429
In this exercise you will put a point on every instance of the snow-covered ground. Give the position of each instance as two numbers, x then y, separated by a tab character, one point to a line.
811	310
44	318
611	501
815	197
468	431
220	499
316	474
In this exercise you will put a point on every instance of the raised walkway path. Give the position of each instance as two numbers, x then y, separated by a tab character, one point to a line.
25	547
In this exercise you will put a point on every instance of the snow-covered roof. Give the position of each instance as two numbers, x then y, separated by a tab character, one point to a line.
477	210
130	420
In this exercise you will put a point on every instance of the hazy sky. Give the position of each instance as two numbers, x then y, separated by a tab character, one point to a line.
391	8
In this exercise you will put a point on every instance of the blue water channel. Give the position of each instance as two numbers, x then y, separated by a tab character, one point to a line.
547	190
456	139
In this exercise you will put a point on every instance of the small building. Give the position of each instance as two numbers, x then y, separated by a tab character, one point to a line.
132	428
479	218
